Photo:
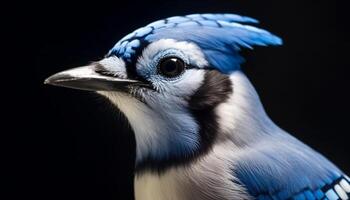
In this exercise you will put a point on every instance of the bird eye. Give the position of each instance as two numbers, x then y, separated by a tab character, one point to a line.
171	67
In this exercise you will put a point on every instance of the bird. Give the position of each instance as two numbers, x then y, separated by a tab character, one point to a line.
201	130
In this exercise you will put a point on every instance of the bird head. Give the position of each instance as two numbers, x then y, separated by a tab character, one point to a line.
169	78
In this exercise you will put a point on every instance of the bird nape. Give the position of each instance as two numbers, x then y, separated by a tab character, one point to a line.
201	131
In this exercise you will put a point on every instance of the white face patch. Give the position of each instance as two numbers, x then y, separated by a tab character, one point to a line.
115	66
163	125
183	85
162	128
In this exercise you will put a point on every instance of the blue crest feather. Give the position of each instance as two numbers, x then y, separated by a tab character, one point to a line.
220	37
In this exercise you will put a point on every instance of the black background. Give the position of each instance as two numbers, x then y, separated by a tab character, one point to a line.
62	143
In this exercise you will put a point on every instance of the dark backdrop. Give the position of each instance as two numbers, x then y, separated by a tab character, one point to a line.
63	143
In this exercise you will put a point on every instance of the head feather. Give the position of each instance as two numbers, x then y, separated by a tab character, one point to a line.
220	37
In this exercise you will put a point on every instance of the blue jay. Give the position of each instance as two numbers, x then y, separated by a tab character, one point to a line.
201	131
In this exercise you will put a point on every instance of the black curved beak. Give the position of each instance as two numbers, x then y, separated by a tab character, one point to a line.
88	78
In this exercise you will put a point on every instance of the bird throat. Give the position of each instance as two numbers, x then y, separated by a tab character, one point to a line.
215	89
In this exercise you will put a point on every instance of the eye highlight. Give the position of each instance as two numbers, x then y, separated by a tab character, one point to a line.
171	67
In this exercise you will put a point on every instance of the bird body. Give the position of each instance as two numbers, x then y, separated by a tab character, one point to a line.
201	131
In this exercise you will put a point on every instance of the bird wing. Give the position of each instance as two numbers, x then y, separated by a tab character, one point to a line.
220	37
339	188
288	169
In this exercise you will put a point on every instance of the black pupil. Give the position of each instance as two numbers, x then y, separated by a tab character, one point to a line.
171	67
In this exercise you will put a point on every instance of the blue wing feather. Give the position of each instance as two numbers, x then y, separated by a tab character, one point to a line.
287	169
220	37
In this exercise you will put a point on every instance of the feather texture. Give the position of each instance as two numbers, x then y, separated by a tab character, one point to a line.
220	37
269	162
202	134
282	168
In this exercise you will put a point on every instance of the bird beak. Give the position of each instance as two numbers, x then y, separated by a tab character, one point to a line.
88	78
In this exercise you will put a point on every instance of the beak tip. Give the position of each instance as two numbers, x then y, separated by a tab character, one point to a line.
46	81
56	79
50	80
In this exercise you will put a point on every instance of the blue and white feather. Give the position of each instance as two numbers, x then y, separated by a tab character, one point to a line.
203	134
220	37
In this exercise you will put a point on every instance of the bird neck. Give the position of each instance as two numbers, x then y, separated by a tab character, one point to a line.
242	117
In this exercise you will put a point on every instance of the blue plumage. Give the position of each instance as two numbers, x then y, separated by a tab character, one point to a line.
204	132
220	37
285	168
262	171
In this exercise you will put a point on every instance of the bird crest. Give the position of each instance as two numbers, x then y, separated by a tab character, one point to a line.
219	36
